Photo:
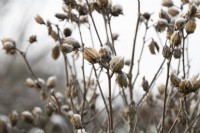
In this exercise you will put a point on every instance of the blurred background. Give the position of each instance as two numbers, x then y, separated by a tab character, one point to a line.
17	22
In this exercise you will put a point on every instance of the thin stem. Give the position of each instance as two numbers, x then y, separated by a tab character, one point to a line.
183	56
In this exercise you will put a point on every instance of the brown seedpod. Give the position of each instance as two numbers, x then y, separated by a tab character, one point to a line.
167	3
43	95
180	23
105	54
9	46
121	80
102	2
55	52
190	26
27	117
169	32
67	32
152	46
161	89
51	82
65	48
185	1
76	121
39	20
146	15
54	35
61	16
32	39
30	83
192	9
175	38
116	10
117	63
196	85
82	9
173	11
39	83
145	84
163	14
37	111
14	117
175	81
115	36
91	55
166	52
177	53
161	25
71	41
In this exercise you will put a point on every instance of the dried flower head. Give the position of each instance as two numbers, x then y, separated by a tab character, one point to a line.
177	53
30	83
152	46
39	20
67	32
105	54
55	53
145	84
166	52
51	82
175	38
167	3
180	23
91	55
9	46
173	11
117	63
116	10
190	26
14	117
27	117
73	42
76	121
32	39
175	81
121	80
161	25
65	48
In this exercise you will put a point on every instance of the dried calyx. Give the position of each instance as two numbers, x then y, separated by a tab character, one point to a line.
9	46
91	55
116	64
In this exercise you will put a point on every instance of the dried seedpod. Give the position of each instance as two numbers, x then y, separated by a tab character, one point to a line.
51	82
67	32
121	80
65	48
173	11
175	81
152	46
145	84
116	10
190	26
161	89
71	41
14	118
43	95
185	1
27	117
30	82
192	9
117	63
55	52
161	25
82	9
146	15
167	3
9	46
105	54
175	38
39	83
54	35
180	23
103	3
91	55
115	36
169	32
39	19
177	53
83	19
61	16
49	109
166	52
76	121
32	39
163	14
37	111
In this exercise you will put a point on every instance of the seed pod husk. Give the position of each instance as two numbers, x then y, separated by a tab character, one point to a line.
65	48
185	1
30	83
192	9
32	39
175	81
9	46
173	11
73	42
37	111
14	117
145	84
49	109
152	46
121	80
167	3
67	32
196	85
163	14
182	86
105	54
39	20
166	52
116	10
117	63
61	16
146	15
51	82
175	38
27	117
55	52
161	25
177	53
190	26
76	121
180	23
102	2
91	55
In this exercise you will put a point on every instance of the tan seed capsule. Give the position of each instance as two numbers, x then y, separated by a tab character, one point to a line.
54	35
161	89
185	1
67	32
196	85
105	54
190	26
14	117
117	63
37	111
166	52
146	15
175	38
39	20
163	14
9	46
91	55
65	48
55	52
180	23
177	53
61	16
102	2
175	81
32	39
182	86
27	117
189	86
167	3
116	10
145	84
152	46
121	80
76	121
161	25
73	42
30	83
173	11
192	9
51	82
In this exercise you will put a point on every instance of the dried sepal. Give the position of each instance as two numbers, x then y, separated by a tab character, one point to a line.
145	84
167	3
175	38
55	52
190	26
173	11
175	80
32	39
54	35
115	36
152	46
117	63
91	55
73	42
121	80
39	19
163	14
9	46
